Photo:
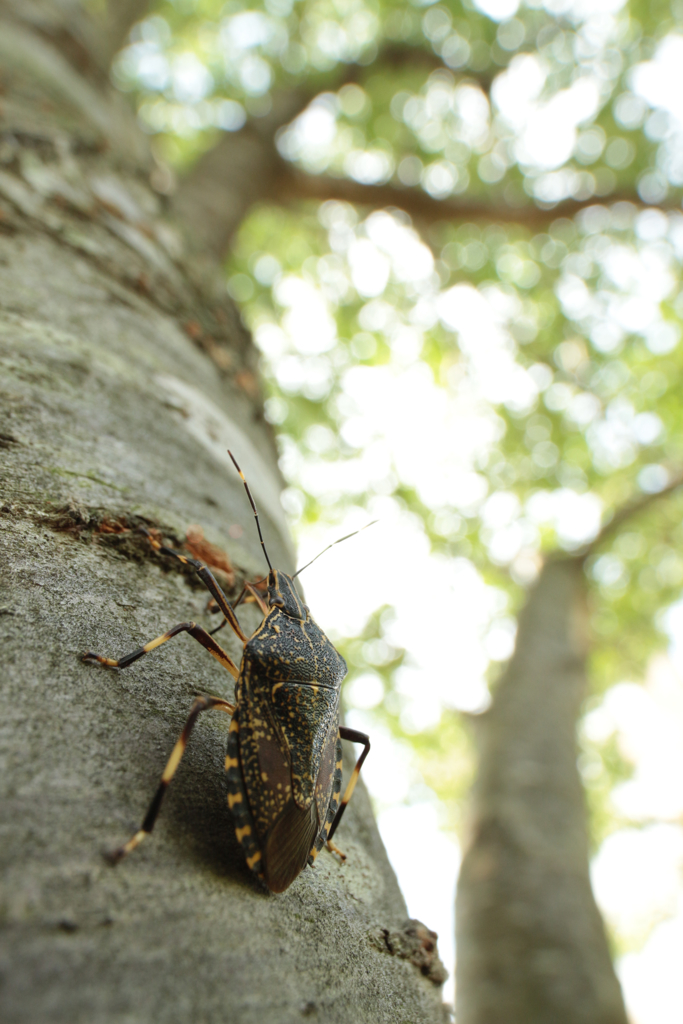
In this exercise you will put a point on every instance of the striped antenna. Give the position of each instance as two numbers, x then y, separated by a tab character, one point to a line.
332	545
251	502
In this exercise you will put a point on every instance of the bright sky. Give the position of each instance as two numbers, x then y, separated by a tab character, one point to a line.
444	607
396	412
432	436
390	563
637	873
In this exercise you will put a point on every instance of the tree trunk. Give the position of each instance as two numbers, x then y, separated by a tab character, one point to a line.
125	377
531	943
241	170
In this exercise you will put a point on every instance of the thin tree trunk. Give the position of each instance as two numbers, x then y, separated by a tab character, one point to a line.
531	942
125	376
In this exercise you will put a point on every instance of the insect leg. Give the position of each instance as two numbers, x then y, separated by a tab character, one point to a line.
355	737
254	595
199	634
207	578
200	704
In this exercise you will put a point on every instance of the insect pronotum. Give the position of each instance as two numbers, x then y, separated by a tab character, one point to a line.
284	758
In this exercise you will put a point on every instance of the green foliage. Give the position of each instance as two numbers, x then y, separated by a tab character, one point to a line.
444	752
602	767
578	311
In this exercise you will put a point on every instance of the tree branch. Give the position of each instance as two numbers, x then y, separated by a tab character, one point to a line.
295	185
244	168
397	57
632	509
239	171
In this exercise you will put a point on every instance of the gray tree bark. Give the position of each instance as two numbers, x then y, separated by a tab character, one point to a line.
531	943
125	376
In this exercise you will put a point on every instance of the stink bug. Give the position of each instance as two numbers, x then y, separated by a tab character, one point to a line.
284	758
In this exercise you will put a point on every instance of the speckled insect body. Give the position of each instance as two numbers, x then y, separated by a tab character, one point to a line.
284	748
284	758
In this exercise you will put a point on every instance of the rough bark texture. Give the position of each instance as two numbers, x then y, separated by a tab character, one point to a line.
125	376
531	943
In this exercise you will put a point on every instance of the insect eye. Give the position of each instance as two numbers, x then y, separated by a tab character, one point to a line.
277	601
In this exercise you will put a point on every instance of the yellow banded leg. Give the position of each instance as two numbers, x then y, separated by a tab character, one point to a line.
258	598
253	595
354	737
200	704
207	578
195	631
333	848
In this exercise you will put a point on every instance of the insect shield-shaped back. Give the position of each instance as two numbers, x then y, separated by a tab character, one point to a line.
284	745
284	751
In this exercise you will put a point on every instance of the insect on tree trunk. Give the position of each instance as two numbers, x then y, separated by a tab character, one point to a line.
125	376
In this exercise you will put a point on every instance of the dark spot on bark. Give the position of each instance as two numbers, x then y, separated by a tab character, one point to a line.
120	532
416	943
70	518
144	285
193	329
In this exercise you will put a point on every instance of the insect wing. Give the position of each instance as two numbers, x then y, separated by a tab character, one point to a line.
300	832
264	762
306	715
283	832
288	747
288	845
328	789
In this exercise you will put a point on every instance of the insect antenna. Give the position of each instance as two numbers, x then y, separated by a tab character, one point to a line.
251	502
332	545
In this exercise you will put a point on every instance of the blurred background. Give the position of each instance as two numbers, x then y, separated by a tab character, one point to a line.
458	249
